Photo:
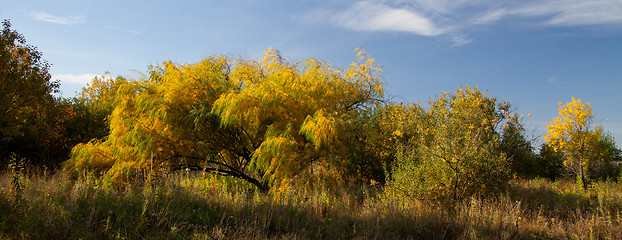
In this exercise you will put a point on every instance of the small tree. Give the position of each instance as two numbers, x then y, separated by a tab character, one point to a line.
549	162
604	155
398	130
572	134
518	150
457	153
93	107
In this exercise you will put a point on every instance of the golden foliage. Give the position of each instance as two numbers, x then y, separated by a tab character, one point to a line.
572	134
454	151
297	110
257	120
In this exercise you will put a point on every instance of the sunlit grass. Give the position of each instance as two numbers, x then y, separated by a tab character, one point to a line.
207	207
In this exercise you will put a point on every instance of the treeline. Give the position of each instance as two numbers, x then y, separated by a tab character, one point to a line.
35	125
272	122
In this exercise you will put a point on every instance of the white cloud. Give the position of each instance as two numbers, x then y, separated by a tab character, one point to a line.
120	29
575	12
368	16
454	17
69	20
74	78
460	40
450	7
112	27
490	17
555	12
133	31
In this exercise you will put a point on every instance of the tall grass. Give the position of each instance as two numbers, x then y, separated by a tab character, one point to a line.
186	206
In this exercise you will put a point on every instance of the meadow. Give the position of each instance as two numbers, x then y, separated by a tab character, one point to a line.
234	148
186	205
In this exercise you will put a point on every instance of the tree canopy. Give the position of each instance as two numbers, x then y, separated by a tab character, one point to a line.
31	118
572	133
262	121
272	122
456	152
25	85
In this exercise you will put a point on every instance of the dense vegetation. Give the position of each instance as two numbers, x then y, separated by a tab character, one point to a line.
237	148
34	124
186	206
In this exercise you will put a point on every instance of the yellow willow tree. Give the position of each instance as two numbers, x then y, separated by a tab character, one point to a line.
572	134
260	121
298	115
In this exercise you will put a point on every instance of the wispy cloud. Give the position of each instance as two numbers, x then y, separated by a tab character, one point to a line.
553	79
112	28
574	12
490	16
121	29
454	17
460	40
69	20
133	31
74	78
554	12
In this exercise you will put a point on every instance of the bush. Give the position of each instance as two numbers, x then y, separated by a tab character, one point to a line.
457	154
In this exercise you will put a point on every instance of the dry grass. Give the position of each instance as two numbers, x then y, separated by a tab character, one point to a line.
196	207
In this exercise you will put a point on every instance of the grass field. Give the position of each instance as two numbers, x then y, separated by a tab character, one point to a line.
185	206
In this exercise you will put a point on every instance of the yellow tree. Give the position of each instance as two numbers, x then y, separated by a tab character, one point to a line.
92	107
260	121
100	93
297	115
456	152
572	134
164	122
396	127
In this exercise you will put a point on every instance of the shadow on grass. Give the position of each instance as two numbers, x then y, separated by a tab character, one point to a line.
58	208
564	202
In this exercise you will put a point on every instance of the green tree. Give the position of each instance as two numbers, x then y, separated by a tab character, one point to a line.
27	108
368	154
518	150
605	155
101	93
398	125
25	86
457	153
92	107
549	162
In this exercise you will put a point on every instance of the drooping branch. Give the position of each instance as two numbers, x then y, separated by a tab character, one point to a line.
220	169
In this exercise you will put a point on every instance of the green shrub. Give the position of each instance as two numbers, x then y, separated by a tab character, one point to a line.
458	153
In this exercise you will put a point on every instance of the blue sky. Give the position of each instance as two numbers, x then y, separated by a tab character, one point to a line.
532	53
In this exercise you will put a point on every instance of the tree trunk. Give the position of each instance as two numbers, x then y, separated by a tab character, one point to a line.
583	183
228	171
263	188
